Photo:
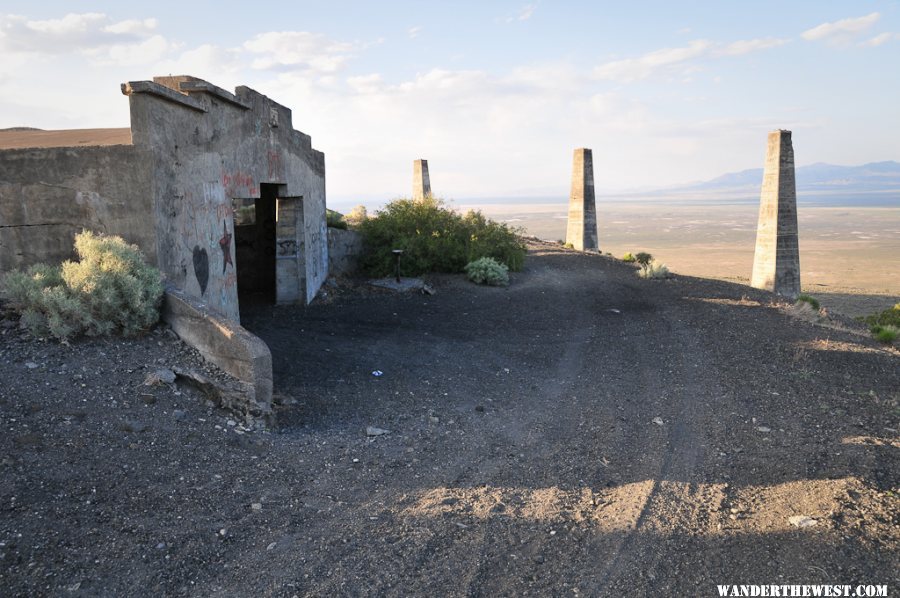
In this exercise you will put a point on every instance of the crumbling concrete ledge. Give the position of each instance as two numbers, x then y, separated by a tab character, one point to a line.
226	344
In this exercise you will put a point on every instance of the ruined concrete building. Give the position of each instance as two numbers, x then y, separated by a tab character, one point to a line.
218	190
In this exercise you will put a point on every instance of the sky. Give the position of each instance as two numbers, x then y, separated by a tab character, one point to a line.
495	95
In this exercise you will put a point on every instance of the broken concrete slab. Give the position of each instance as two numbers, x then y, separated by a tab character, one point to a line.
226	344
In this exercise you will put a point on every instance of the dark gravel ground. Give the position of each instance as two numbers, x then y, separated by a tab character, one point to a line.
582	432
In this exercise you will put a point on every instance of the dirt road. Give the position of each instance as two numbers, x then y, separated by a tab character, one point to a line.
582	432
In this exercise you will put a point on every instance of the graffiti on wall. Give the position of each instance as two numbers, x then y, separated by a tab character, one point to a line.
287	248
225	246
201	267
275	165
239	184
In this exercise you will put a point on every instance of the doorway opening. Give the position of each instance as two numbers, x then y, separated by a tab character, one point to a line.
255	246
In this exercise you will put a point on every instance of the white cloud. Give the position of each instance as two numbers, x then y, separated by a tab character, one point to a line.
880	39
841	32
298	51
84	32
633	69
414	32
678	61
148	51
366	84
523	15
133	27
752	45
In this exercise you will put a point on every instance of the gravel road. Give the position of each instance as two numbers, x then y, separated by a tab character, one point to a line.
582	432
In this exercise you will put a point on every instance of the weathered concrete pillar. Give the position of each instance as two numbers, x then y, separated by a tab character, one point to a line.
581	231
776	263
421	180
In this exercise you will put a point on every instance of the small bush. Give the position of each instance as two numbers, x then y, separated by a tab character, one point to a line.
643	258
357	216
568	245
487	270
335	219
813	302
653	269
628	258
110	289
435	238
885	334
889	317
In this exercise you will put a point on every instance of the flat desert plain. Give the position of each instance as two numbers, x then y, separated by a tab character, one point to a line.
849	256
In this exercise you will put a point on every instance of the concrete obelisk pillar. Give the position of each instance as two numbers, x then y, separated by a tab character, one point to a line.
581	231
421	180
776	263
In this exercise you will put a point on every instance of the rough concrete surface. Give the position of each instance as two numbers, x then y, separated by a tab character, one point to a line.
344	249
776	261
581	229
225	344
421	180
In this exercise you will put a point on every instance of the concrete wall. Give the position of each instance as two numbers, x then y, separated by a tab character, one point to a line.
48	195
344	249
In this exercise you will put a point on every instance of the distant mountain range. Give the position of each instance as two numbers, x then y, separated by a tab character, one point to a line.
876	184
818	178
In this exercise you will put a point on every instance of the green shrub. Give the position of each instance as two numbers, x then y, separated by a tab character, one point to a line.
889	317
628	258
109	290
654	269
435	238
335	219
568	245
813	302
643	258
487	270
885	334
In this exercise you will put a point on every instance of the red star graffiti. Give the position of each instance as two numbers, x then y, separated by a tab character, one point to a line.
225	245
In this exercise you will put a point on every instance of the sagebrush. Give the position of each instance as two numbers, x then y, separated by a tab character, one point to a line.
813	302
628	258
435	238
888	317
487	270
886	334
109	290
653	269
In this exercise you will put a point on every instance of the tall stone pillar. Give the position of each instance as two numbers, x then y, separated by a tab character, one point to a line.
581	230
776	263
421	180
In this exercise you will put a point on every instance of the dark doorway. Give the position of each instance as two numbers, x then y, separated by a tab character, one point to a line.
255	249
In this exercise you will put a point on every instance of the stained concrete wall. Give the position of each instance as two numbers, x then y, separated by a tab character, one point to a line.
48	195
776	261
344	249
581	228
209	146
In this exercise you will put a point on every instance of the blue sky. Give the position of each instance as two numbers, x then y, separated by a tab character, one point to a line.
495	95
